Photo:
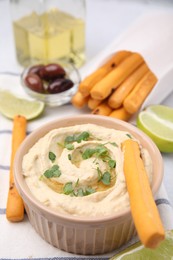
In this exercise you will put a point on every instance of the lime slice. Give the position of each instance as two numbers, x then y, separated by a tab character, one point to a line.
11	106
157	122
139	252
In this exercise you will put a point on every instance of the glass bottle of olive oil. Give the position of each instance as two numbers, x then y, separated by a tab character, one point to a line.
49	31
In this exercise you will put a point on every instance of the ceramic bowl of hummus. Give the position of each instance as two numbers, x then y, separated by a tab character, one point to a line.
70	175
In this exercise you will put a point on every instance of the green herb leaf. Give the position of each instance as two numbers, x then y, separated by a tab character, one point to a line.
129	136
54	171
69	146
77	182
82	137
112	163
99	174
69	139
68	188
69	157
114	144
84	192
101	151
80	192
52	156
89	190
106	178
88	153
76	138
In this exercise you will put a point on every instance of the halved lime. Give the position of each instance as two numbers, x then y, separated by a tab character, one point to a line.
137	251
11	106
157	122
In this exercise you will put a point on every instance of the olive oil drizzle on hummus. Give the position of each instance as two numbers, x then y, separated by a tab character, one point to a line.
106	179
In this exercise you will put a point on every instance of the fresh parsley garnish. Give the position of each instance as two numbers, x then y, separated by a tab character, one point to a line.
99	174
70	139
77	182
112	163
89	191
52	156
83	191
73	189
129	136
99	151
69	146
105	177
79	193
54	171
69	157
84	136
114	144
68	188
88	153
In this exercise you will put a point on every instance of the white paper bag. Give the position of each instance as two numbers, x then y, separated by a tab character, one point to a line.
152	37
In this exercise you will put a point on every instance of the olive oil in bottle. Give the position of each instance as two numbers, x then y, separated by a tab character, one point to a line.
49	36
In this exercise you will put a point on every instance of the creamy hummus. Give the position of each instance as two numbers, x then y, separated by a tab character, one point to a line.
78	170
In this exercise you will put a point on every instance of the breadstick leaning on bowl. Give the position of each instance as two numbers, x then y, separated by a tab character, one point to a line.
15	206
144	210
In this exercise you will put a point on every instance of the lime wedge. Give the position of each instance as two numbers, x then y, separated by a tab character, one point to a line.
137	251
11	106
157	122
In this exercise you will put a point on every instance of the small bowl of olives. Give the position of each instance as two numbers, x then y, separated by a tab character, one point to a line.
53	83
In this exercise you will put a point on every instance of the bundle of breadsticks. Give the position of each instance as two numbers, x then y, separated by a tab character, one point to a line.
117	88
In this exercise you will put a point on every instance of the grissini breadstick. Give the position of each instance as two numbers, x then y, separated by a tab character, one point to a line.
93	103
118	96
78	100
121	114
113	79
144	210
135	99
102	109
15	206
87	84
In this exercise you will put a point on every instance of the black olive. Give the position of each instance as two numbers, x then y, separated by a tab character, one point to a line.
59	85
